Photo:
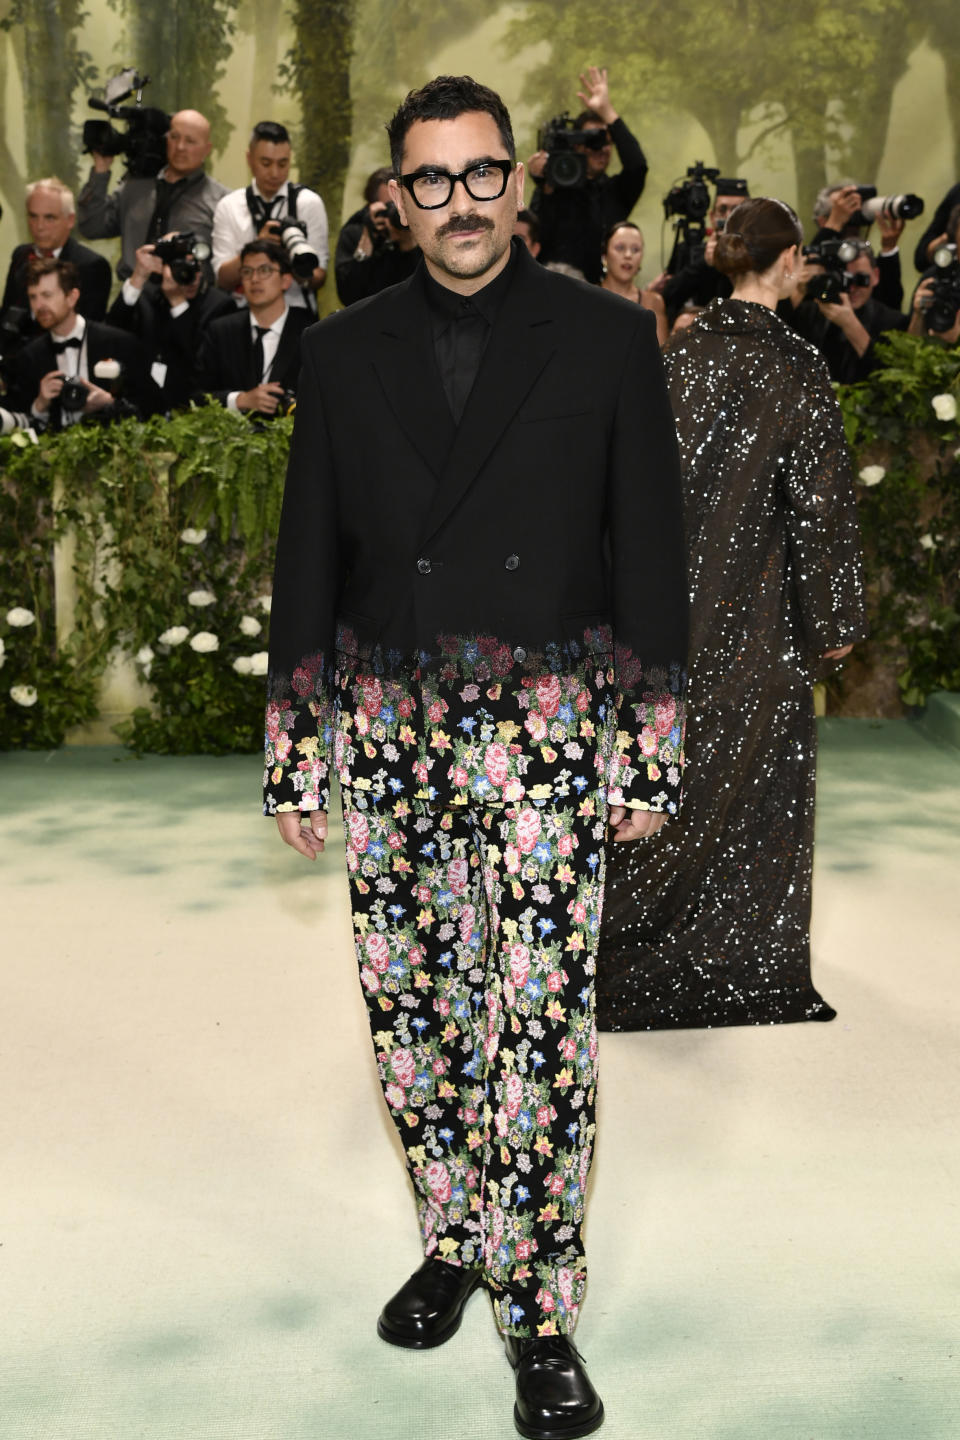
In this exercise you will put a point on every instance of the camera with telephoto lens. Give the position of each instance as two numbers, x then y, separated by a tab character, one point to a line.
834	256
941	313
143	143
566	167
292	236
73	394
185	254
887	207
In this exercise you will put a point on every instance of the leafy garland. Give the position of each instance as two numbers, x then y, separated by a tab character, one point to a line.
173	525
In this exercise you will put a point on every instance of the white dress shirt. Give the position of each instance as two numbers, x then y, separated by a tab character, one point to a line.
233	228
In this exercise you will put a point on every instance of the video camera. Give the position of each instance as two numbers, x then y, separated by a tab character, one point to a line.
689	199
945	295
566	167
185	254
292	236
834	256
144	142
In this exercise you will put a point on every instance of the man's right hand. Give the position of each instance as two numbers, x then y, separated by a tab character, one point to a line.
50	387
265	398
308	839
146	264
537	164
843	206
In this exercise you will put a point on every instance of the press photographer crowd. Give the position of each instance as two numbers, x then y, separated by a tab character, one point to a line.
217	285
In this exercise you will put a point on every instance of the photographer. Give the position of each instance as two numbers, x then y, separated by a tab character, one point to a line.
856	319
837	214
698	281
374	248
181	197
168	313
255	213
936	300
250	361
55	376
574	219
936	232
51	218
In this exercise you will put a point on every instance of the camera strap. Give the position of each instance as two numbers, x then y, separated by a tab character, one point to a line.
262	210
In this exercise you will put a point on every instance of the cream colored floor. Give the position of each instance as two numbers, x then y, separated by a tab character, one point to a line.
202	1205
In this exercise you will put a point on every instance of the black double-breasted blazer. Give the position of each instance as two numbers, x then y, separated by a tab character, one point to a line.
549	520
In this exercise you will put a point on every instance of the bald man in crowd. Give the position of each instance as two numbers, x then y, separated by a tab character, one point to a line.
182	197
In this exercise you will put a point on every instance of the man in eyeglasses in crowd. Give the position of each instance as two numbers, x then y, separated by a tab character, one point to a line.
856	319
479	622
573	220
250	360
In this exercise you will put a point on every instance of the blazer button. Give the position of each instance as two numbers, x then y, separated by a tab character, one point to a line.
424	567
519	654
512	562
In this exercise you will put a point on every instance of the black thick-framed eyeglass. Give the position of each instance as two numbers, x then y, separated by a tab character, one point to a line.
432	189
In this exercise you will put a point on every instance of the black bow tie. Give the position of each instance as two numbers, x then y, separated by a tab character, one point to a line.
61	345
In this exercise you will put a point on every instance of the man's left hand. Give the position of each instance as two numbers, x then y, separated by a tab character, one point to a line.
890	232
633	824
97	399
596	94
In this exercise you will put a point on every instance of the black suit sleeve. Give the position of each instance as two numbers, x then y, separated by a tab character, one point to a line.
210	376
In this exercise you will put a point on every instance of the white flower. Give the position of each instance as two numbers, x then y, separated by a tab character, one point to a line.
201	597
242	664
265	601
193	537
872	474
18	617
945	407
927	542
175	635
204	641
258	663
23	694
249	626
144	655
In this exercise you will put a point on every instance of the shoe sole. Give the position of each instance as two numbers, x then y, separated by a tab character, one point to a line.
408	1342
554	1432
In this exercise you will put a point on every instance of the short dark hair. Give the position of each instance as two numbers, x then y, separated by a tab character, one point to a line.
65	270
270	130
271	249
531	222
374	181
589	117
756	234
446	98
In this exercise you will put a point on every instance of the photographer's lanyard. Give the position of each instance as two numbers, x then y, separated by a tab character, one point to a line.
262	210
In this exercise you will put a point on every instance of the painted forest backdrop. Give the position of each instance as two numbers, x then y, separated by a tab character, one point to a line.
791	96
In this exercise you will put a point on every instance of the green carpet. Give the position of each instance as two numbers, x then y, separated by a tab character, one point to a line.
203	1203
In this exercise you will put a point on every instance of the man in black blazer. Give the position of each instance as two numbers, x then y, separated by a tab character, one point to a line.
479	622
250	361
51	218
72	347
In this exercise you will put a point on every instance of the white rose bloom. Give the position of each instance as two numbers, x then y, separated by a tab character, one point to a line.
927	542
204	641
144	655
23	694
175	635
945	407
201	598
193	537
872	474
242	664
258	663
249	626
106	370
265	601
18	617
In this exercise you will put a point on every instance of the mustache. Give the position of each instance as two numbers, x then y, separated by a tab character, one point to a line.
458	223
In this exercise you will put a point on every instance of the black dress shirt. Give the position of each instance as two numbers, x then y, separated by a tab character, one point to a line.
461	326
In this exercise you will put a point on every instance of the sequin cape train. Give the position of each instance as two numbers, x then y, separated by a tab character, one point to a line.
707	923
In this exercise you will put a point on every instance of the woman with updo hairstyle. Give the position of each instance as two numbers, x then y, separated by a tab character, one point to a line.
621	261
707	922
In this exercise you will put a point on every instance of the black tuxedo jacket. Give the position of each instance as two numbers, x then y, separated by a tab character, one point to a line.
550	516
94	272
226	363
172	340
103	342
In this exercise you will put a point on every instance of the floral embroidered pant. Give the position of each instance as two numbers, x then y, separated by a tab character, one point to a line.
476	932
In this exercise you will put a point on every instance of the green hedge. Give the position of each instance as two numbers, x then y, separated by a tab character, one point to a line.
169	510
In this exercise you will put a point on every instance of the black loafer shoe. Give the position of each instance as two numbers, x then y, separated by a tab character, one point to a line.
428	1309
555	1400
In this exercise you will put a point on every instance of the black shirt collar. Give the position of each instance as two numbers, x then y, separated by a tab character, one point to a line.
447	305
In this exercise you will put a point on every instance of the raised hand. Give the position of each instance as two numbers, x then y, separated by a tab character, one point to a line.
596	93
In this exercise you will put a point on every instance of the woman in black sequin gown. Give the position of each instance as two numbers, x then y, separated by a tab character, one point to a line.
707	922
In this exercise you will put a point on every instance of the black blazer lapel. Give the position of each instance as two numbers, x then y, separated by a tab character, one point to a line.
407	369
523	340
